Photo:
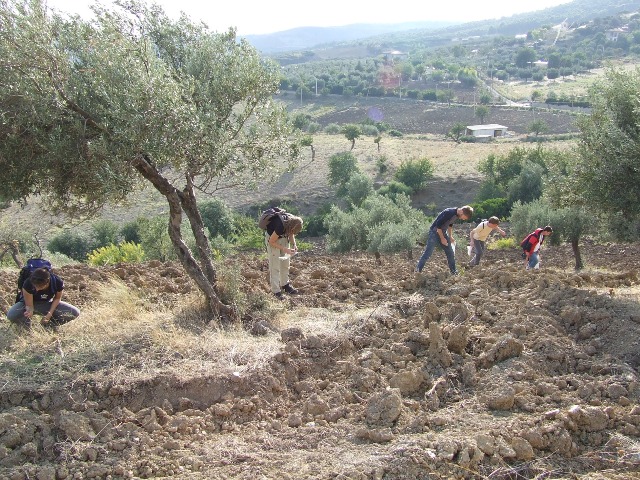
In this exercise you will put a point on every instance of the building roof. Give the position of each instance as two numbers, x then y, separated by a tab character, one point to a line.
490	126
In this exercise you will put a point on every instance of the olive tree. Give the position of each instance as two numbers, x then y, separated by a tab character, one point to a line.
607	173
352	132
92	110
379	225
569	223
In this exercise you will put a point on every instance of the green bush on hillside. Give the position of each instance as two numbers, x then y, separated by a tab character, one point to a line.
124	252
498	207
415	173
217	218
72	244
395	188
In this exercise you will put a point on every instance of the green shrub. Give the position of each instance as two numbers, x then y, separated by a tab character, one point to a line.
217	218
382	163
503	244
130	231
313	127
395	133
58	259
314	224
341	167
498	207
247	234
358	188
415	173
395	188
379	225
370	130
489	189
527	185
71	244
125	252
105	232
154	238
332	129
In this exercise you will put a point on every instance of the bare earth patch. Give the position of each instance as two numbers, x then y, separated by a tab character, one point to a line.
372	372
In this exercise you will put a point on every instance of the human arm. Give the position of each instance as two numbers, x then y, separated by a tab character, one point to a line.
450	233
52	307
28	303
273	241
292	243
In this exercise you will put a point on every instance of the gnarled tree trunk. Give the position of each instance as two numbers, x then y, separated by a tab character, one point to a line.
204	274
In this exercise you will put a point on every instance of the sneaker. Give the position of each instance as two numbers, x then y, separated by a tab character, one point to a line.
289	289
279	295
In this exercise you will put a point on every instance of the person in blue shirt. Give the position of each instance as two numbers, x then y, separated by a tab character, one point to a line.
42	294
441	233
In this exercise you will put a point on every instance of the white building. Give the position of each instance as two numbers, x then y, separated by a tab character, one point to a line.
491	130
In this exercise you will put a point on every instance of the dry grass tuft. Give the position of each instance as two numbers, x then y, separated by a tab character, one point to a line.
121	336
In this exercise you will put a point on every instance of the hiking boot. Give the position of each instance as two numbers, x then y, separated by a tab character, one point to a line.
289	289
279	295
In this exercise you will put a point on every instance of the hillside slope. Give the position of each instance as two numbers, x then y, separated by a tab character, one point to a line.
372	372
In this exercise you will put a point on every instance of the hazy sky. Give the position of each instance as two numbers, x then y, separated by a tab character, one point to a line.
267	16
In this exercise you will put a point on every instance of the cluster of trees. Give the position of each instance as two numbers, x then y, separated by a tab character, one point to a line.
500	57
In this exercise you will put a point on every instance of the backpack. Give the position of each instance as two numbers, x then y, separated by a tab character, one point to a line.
25	272
526	243
269	213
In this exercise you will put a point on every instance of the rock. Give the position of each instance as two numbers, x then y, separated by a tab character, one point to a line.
486	443
522	448
506	347
407	381
384	408
615	391
501	398
74	426
294	420
458	339
438	350
469	378
291	334
590	419
383	435
430	313
315	406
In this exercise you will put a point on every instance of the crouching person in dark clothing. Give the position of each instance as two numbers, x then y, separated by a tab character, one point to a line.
42	293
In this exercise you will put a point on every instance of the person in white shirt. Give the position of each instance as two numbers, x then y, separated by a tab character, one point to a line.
478	237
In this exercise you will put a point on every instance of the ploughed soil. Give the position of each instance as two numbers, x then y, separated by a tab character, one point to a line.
380	373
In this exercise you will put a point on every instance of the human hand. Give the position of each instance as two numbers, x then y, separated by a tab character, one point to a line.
46	318
444	242
28	312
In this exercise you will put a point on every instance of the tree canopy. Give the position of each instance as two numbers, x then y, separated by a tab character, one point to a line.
90	110
608	173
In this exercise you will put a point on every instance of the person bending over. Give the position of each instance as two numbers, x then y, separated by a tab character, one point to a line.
42	294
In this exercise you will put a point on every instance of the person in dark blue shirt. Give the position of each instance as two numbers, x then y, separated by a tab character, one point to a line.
42	293
441	233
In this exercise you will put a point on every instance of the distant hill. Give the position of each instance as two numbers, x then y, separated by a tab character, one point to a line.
404	36
306	37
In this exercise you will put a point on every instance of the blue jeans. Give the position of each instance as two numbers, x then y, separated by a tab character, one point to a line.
533	260
432	241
